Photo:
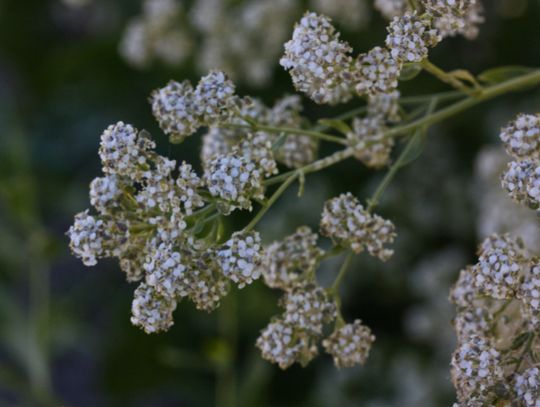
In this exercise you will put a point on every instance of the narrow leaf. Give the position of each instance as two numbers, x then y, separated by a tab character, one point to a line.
336	124
410	71
503	73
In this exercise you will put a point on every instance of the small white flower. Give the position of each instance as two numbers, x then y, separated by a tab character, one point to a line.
350	344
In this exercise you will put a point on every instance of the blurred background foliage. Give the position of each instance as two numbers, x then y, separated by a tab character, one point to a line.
65	335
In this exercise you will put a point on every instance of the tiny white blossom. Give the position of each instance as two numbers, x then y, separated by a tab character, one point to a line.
369	142
240	258
346	221
476	368
235	181
527	387
376	72
409	37
522	182
318	62
174	107
150	310
522	136
290	260
124	151
285	344
350	344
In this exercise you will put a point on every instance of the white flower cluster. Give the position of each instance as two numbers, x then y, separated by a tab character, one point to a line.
147	217
157	34
292	150
522	136
318	62
89	238
123	151
290	265
346	221
284	344
308	306
529	294
498	309
449	17
442	7
291	260
234	181
371	146
385	106
527	387
152	311
409	37
240	258
321	65
243	39
465	22
476	369
500	267
180	110
350	344
292	337
377	72
522	177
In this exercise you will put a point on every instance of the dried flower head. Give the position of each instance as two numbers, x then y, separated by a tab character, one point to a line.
215	99
175	108
350	344
475	369
500	267
527	387
385	106
287	262
466	24
376	72
522	136
150	310
529	294
369	142
285	344
235	181
522	182
93	237
124	151
463	292
409	37
444	7
346	221
104	193
318	62
308	307
240	258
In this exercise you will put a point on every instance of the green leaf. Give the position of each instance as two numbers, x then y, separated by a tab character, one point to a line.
279	142
503	73
414	148
410	71
336	124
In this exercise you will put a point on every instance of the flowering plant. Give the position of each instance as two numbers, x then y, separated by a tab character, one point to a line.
163	220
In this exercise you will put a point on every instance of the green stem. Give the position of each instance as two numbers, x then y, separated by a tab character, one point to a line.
282	188
341	274
526	350
226	373
445	76
523	81
288	130
374	200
